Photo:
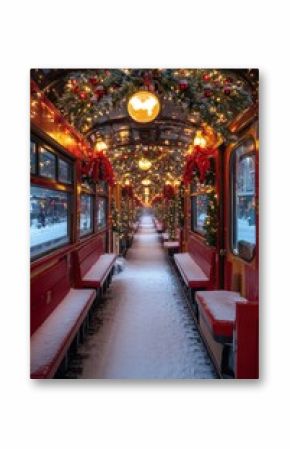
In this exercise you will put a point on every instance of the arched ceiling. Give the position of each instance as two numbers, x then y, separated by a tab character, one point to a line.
94	101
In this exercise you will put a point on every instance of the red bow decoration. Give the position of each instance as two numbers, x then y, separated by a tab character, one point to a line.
198	160
156	199
168	192
99	168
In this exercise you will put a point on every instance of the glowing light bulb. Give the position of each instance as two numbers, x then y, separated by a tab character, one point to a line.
199	140
101	146
144	164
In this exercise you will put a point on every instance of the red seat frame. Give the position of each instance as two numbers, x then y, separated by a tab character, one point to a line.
57	313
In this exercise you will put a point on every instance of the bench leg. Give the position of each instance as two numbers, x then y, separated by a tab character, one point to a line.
227	363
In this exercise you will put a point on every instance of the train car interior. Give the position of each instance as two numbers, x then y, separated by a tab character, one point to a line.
144	224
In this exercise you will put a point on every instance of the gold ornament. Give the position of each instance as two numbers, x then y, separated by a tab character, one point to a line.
143	106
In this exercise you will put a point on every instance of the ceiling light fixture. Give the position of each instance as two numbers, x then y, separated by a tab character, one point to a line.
143	106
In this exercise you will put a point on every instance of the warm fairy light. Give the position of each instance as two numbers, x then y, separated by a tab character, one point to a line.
146	182
127	182
143	106
144	164
199	140
101	146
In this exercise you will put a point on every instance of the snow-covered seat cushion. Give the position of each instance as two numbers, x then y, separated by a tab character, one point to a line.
50	342
218	308
96	276
192	274
169	245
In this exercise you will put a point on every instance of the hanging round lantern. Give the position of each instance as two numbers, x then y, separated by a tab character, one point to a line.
143	106
146	182
144	164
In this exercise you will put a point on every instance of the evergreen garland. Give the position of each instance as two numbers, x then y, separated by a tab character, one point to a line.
213	96
211	222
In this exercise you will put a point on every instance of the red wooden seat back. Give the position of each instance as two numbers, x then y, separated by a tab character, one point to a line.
47	289
87	255
203	255
247	340
251	283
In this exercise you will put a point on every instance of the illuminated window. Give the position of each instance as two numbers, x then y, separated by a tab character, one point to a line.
243	200
49	219
86	215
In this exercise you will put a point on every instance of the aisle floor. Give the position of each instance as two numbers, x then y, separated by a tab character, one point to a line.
145	329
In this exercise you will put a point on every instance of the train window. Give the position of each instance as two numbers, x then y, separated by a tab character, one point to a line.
198	213
32	157
101	213
64	171
86	217
49	219
47	163
243	200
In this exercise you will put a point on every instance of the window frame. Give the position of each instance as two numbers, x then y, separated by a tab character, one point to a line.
232	176
69	223
58	154
54	184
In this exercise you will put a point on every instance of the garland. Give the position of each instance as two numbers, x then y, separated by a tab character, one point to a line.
213	96
211	222
97	169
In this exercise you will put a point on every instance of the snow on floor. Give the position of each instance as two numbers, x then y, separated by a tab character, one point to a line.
146	331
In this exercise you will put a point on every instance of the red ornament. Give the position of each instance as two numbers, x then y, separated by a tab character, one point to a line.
227	91
206	77
207	93
99	92
93	81
83	95
76	90
183	85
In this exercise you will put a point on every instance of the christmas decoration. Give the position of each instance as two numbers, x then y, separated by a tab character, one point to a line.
98	168
168	192
211	221
143	106
198	162
144	164
206	93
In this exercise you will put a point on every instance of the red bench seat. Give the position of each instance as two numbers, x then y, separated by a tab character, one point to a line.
192	274
218	309
197	266
98	273
92	268
51	341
